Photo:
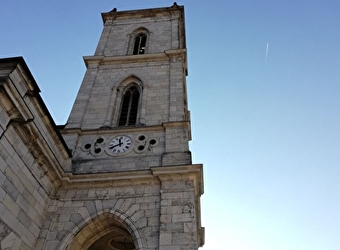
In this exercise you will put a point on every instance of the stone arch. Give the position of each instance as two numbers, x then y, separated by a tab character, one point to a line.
134	35
126	81
99	226
120	88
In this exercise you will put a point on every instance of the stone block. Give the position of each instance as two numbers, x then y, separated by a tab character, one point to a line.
11	205
184	238
189	227
84	213
91	207
165	239
169	247
180	158
76	218
52	244
181	218
24	219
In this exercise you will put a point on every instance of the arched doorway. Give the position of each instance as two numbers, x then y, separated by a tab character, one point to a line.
117	239
107	231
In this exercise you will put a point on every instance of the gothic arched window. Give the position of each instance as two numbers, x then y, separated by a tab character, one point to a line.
140	44
129	110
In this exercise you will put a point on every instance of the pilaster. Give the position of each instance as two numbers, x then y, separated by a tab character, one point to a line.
180	191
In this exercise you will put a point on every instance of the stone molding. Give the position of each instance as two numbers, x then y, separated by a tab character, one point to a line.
127	59
143	13
92	227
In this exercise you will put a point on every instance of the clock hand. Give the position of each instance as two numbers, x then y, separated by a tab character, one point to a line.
113	146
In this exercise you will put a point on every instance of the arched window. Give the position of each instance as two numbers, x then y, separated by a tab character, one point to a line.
140	44
129	110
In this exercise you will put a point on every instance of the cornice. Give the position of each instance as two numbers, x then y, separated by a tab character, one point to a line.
172	172
100	179
127	178
142	13
106	130
154	57
176	124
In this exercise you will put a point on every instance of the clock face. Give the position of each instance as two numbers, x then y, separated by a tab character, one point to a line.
120	144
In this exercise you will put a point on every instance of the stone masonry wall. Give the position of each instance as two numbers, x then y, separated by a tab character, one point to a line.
29	151
160	212
78	208
23	192
161	96
117	36
178	217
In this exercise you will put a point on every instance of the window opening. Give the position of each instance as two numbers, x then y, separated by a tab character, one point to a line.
128	114
140	43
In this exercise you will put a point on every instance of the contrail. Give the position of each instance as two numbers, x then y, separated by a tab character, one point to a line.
267	49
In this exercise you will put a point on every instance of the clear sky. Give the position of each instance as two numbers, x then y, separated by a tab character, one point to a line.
264	91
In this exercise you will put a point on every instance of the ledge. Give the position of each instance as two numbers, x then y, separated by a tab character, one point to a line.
154	57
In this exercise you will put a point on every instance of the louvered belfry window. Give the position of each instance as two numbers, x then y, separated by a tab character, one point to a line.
128	114
140	43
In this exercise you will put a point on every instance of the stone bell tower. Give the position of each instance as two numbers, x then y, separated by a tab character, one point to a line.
131	183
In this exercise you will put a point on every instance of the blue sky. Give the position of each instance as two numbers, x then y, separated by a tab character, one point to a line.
264	91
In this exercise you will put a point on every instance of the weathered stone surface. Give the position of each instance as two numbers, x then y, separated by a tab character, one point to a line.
63	187
4	230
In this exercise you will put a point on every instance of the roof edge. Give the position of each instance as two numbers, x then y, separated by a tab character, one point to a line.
146	12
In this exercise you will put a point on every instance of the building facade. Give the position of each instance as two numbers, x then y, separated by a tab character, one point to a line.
119	174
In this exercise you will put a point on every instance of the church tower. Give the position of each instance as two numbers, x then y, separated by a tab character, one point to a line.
131	183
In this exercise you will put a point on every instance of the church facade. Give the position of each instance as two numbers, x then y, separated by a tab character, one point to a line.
118	174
